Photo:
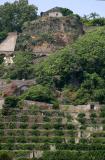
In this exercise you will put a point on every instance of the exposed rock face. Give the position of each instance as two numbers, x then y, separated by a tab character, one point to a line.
54	24
15	87
48	34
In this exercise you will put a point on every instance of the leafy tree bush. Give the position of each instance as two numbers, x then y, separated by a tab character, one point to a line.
80	66
39	93
93	19
56	105
13	15
3	35
23	125
98	22
47	126
66	11
70	126
22	67
81	118
11	102
5	156
81	115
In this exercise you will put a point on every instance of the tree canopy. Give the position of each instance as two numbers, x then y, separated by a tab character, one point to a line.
93	19
13	15
22	67
81	65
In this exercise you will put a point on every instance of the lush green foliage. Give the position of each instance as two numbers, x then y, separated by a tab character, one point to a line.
3	35
68	155
66	11
93	20
1	59
80	66
22	67
11	101
13	15
39	93
5	156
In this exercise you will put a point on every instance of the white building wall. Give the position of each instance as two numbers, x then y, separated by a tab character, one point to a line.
55	14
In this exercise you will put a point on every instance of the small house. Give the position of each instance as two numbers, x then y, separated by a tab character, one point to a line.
93	106
54	12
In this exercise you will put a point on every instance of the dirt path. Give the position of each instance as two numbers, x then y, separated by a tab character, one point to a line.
9	43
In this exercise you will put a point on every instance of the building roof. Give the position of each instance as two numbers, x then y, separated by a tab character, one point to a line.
8	45
55	9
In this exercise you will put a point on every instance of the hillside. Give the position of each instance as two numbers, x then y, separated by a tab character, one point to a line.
52	84
48	119
77	70
44	133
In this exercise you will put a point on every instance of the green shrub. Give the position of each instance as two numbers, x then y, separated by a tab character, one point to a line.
12	125
77	64
5	156
34	126
39	93
81	118
66	11
11	102
1	59
3	35
2	125
93	115
23	125
21	139
47	126
81	115
23	67
46	119
58	126
24	118
56	105
102	114
70	126
11	139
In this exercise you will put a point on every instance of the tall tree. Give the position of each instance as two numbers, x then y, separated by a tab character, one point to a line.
13	15
94	15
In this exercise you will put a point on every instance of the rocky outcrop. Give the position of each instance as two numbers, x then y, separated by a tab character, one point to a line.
48	34
54	24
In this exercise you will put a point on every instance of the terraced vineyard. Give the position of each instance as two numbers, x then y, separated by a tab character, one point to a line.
37	133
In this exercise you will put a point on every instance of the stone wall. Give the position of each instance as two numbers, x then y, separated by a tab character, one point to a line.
81	108
69	108
41	105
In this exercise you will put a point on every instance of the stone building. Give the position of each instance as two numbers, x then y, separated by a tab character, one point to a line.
54	12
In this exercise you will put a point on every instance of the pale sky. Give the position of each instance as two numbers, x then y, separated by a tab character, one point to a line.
80	7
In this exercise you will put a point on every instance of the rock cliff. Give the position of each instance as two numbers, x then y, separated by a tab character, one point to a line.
47	34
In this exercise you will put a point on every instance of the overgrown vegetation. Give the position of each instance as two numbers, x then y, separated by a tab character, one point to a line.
22	67
66	11
93	19
73	75
80	66
5	156
39	93
77	70
3	35
13	15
